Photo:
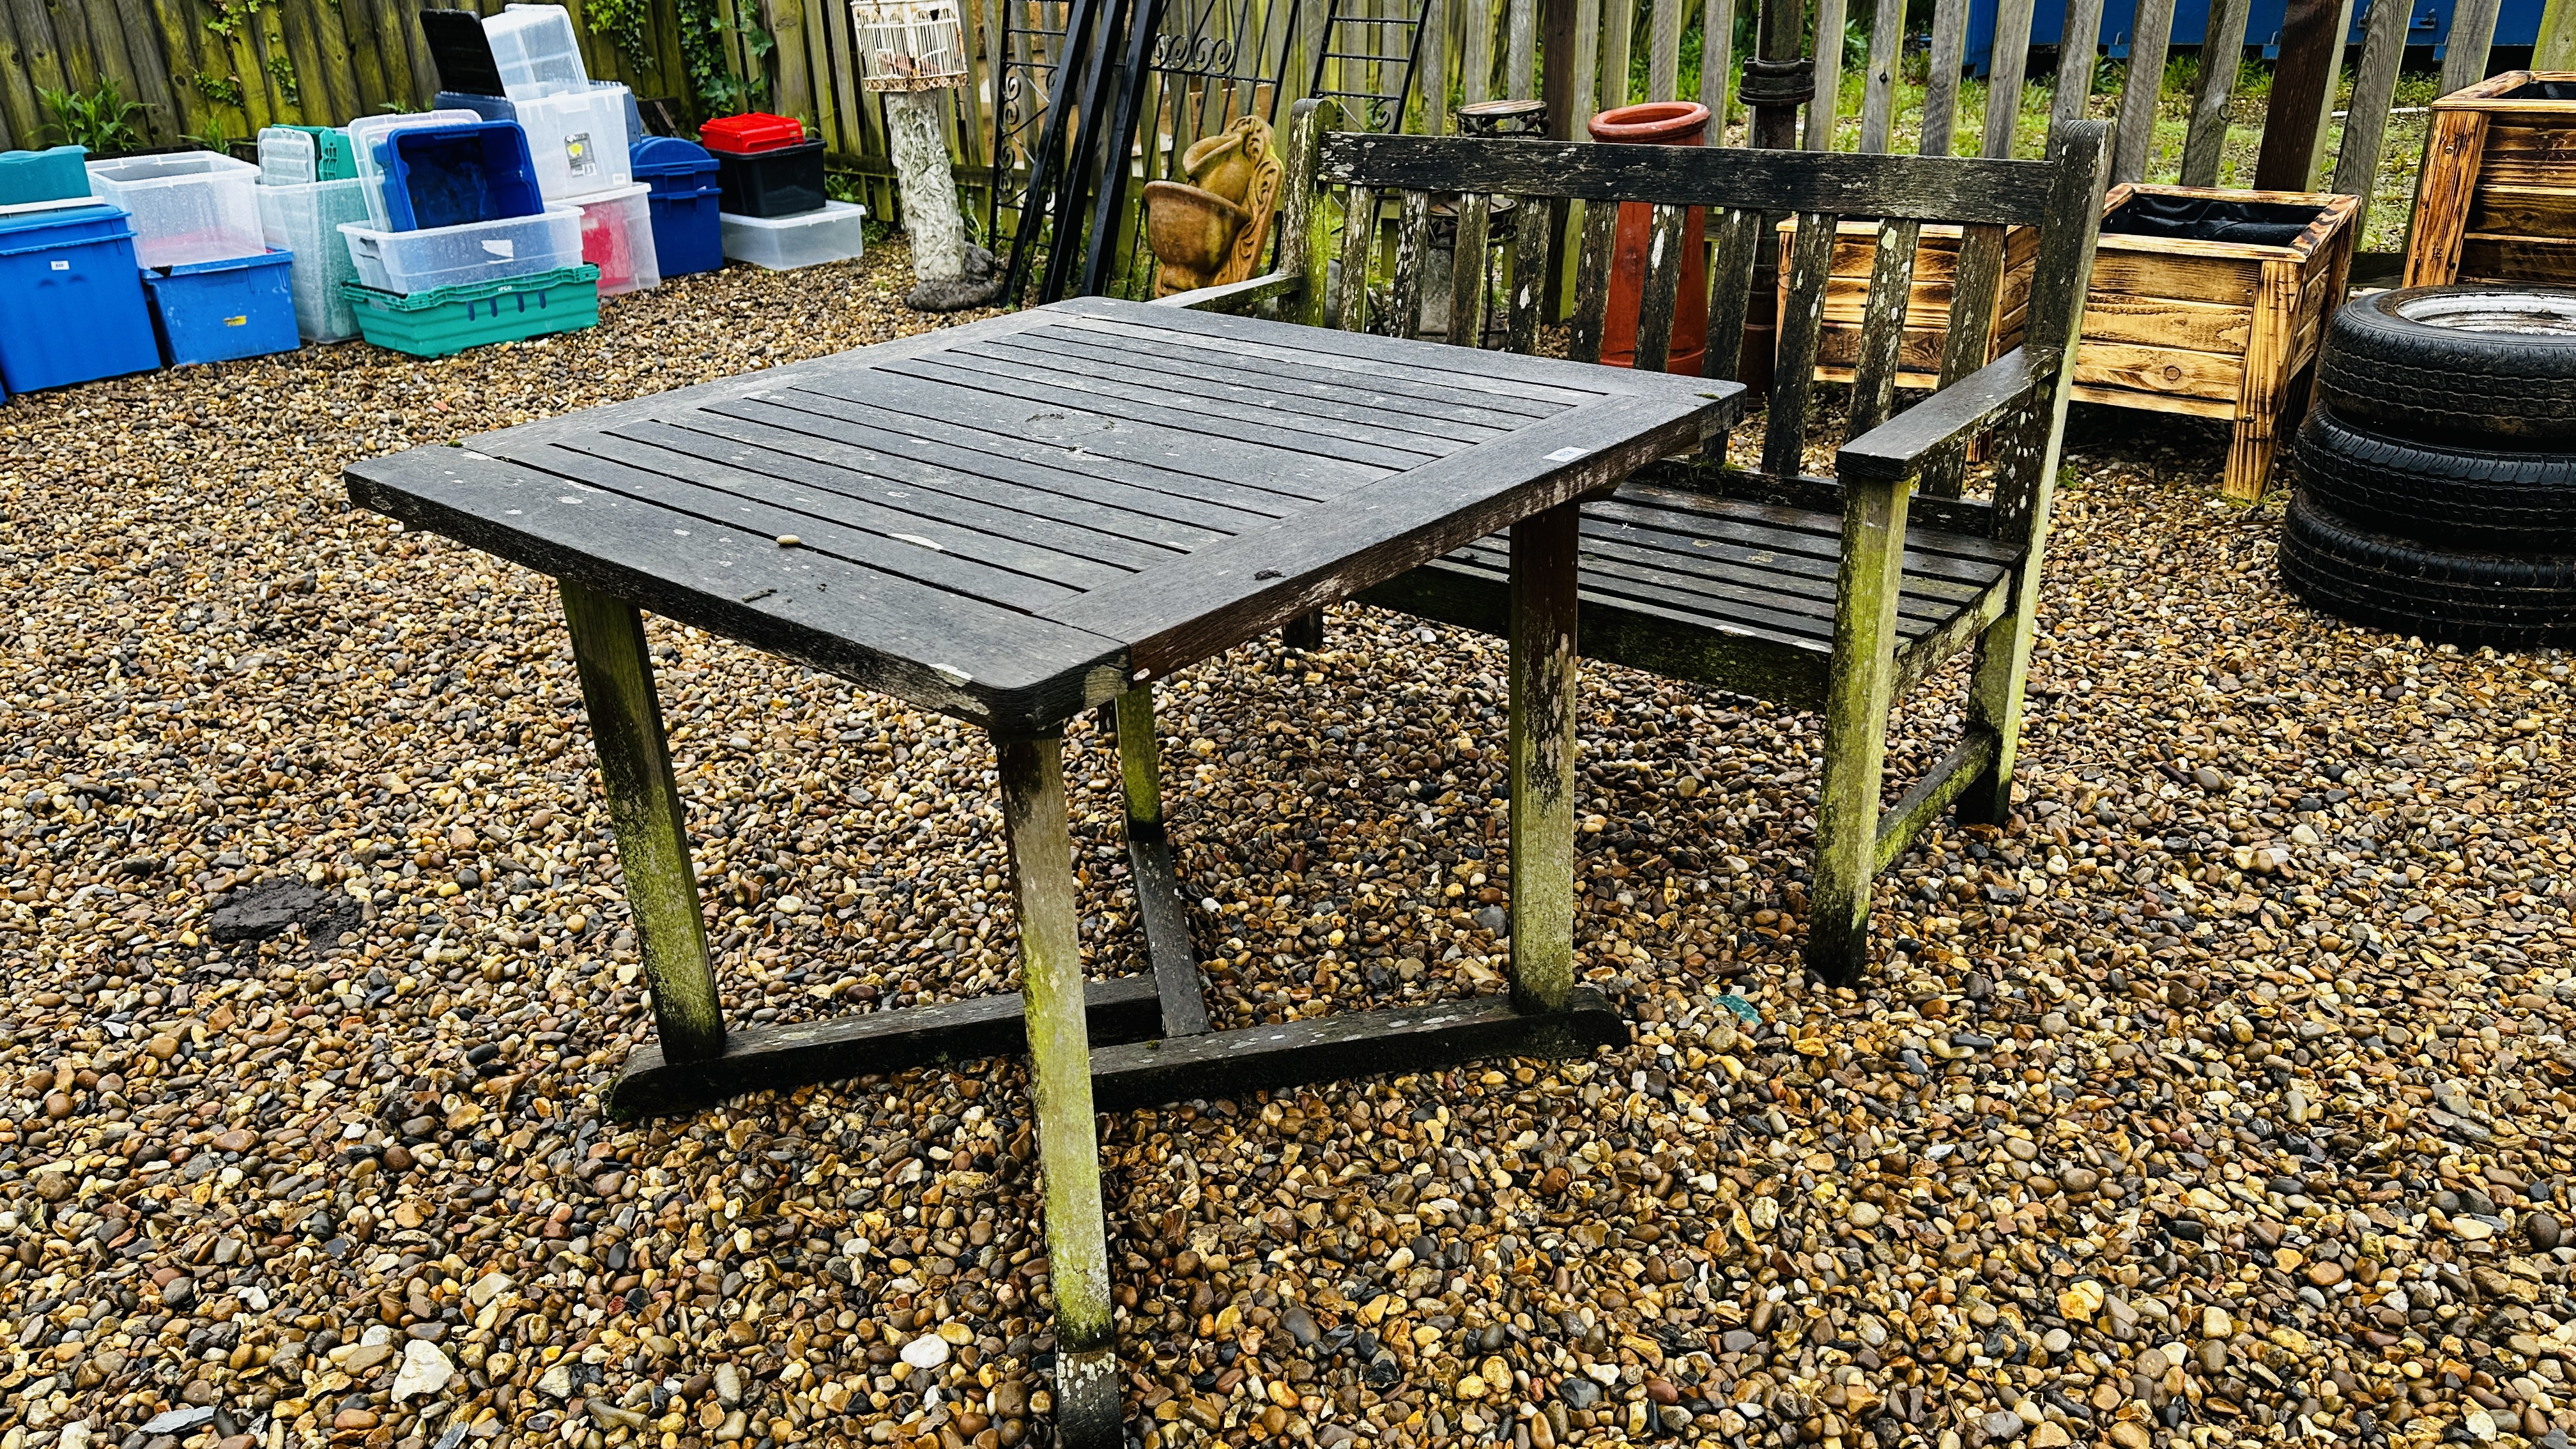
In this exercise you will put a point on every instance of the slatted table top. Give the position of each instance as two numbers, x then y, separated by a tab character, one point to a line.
1010	520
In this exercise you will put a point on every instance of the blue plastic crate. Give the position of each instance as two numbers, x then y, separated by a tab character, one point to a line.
455	175
688	235
218	311
686	199
71	299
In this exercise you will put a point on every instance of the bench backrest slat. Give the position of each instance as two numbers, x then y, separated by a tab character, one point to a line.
1738	232
1882	324
1802	326
1662	290
1947	189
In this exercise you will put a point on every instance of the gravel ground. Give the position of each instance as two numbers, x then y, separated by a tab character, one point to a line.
2221	1097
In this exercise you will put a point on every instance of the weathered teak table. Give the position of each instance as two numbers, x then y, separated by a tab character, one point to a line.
1013	522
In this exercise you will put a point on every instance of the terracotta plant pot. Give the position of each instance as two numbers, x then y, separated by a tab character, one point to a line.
1189	229
1218	164
1656	123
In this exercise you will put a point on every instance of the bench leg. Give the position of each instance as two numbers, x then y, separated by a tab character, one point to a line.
1542	758
1149	861
1995	704
1863	675
1043	888
644	807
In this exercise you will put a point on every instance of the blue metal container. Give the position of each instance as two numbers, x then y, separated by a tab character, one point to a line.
2518	23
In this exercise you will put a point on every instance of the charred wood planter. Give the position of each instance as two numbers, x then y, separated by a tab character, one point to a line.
2210	302
2496	200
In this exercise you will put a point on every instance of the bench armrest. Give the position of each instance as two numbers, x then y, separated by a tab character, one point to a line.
1235	296
1945	423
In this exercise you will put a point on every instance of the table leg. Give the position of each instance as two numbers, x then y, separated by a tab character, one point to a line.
1542	750
1149	860
1043	887
644	807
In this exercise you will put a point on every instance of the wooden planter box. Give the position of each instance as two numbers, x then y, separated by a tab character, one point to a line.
1927	310
2496	201
2216	329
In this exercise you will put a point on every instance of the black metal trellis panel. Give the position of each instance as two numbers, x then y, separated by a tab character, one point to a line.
1030	43
1376	42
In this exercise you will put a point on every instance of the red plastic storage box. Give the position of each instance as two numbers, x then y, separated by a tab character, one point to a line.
751	134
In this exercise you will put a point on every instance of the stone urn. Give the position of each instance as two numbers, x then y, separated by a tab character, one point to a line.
1191	231
1214	227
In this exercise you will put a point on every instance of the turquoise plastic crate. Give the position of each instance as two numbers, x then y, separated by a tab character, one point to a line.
447	320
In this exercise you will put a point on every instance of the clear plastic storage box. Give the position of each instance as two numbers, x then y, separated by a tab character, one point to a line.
579	141
191	206
452	256
836	233
367	133
534	49
305	220
617	238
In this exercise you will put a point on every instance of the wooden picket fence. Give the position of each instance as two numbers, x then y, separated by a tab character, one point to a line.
218	70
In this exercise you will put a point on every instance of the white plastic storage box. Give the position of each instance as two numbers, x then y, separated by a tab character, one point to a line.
305	219
190	206
617	238
405	262
578	140
534	49
784	243
366	133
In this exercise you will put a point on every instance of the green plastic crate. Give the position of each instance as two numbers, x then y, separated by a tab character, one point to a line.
447	320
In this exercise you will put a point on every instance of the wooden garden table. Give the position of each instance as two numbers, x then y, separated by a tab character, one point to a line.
1013	522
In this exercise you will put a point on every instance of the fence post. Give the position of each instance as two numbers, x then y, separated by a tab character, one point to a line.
2365	128
2556	49
2303	80
2464	56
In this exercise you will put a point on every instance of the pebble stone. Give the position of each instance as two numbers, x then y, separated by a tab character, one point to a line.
2272	954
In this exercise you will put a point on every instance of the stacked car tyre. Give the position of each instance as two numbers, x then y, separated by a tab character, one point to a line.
2437	472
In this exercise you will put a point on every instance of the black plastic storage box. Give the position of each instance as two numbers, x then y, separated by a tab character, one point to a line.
787	181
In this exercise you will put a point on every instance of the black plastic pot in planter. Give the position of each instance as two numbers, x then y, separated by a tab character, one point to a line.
2196	218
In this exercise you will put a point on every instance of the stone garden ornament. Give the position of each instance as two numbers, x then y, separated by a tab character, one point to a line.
1212	229
909	49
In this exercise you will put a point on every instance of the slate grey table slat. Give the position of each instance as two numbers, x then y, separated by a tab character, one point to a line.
1007	521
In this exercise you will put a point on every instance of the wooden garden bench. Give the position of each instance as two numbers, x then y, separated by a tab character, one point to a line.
1830	594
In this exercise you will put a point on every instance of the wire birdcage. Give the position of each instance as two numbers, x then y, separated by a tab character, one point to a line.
909	45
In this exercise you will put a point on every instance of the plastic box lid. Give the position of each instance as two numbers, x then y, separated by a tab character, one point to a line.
95	222
670	156
534	49
460	52
751	133
301	155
